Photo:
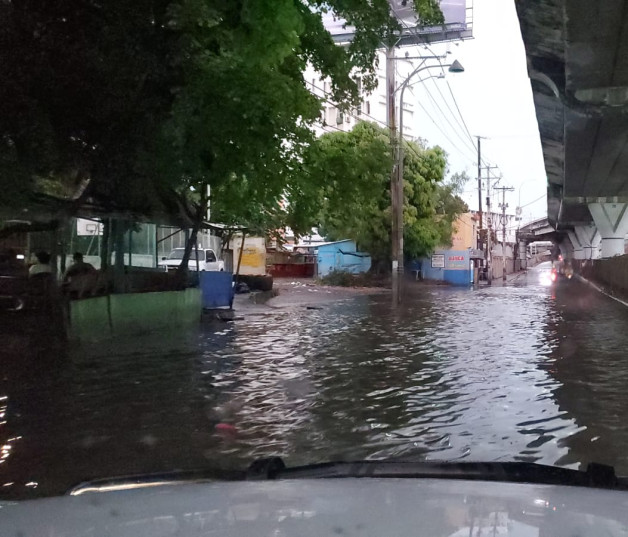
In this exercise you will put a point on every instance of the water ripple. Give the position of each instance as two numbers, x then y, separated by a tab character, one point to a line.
509	373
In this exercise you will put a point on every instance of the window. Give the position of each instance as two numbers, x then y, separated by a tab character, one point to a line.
210	256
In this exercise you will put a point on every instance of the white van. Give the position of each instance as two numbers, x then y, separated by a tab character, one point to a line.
207	260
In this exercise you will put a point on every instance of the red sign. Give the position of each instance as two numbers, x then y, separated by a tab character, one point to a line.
456	258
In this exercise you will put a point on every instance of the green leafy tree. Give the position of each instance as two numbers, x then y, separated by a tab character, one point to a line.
109	91
351	175
141	104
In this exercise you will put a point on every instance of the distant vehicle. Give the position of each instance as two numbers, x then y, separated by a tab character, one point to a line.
207	260
564	268
547	273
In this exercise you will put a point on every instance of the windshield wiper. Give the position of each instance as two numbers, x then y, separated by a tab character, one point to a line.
596	475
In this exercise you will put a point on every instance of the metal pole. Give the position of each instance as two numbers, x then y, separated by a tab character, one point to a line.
394	201
503	234
479	180
504	206
489	258
398	184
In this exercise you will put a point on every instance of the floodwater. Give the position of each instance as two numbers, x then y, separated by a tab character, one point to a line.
523	372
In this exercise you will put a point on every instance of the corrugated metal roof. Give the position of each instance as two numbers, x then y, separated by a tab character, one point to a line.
323	243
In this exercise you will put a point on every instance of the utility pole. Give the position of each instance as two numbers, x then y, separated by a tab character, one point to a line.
396	205
489	226
503	205
479	179
480	245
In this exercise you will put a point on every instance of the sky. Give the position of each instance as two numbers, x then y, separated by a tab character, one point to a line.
495	101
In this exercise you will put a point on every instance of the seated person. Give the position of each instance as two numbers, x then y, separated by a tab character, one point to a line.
42	266
78	268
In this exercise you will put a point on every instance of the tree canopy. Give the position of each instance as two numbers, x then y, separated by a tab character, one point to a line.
132	101
347	192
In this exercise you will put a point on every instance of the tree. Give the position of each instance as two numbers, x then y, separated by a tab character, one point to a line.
186	91
141	104
351	172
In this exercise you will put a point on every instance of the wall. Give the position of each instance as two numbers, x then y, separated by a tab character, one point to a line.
611	274
457	269
341	256
465	234
372	107
498	260
112	315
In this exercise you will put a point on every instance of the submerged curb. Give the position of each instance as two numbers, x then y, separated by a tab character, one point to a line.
600	289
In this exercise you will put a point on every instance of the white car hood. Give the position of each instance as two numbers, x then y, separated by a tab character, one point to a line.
335	507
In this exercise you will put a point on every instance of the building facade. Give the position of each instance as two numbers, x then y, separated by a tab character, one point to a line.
373	106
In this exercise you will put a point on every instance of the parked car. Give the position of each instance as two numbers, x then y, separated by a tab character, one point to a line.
207	260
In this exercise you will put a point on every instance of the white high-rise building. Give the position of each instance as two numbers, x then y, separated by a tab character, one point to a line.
373	105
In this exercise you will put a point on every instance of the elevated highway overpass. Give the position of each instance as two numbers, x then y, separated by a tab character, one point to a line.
580	242
577	56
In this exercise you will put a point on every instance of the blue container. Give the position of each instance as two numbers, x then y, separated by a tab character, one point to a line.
217	289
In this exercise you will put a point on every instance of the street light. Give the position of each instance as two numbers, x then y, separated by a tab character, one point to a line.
397	200
454	67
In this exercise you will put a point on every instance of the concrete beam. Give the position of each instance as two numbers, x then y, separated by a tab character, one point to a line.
611	219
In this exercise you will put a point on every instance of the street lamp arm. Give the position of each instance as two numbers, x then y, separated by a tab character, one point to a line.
403	87
420	68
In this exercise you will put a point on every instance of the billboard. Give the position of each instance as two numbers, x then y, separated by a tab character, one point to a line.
457	23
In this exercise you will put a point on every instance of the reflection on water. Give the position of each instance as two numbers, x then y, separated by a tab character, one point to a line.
506	373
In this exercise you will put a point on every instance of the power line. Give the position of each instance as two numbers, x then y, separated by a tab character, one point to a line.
461	152
443	115
460	113
534	201
441	112
414	30
454	129
324	98
452	112
458	108
410	87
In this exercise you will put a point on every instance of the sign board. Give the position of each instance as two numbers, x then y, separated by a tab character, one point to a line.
455	27
438	261
457	262
88	228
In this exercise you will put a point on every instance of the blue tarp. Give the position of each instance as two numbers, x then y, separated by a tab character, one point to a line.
217	289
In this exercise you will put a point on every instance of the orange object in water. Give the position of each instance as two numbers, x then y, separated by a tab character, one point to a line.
226	428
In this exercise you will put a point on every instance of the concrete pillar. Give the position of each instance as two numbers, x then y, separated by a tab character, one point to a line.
523	255
611	220
578	250
566	249
589	238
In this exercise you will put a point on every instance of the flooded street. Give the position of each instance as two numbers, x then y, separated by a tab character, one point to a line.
522	372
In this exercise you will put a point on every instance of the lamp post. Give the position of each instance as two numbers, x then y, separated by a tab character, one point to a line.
397	197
